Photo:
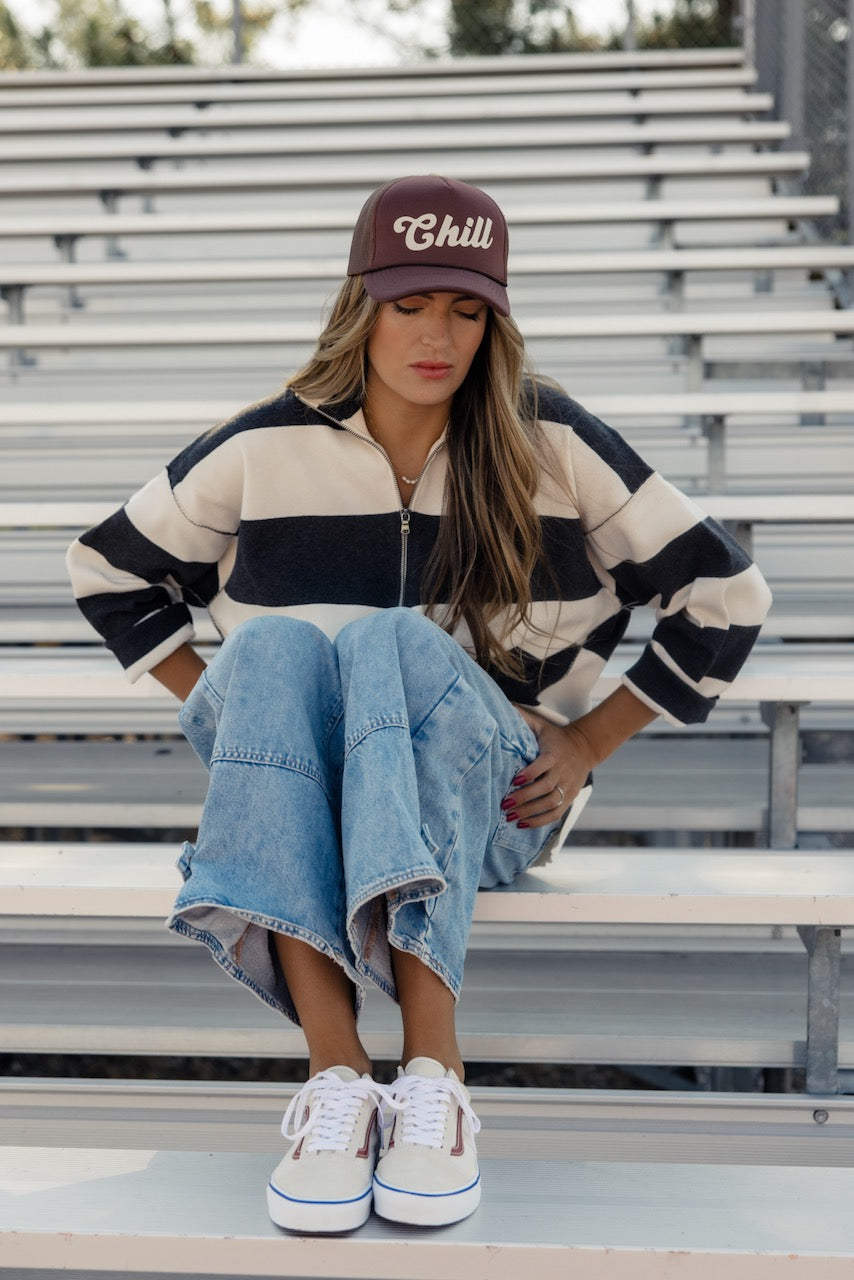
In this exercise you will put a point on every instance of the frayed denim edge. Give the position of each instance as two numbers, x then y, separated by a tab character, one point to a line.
177	924
427	876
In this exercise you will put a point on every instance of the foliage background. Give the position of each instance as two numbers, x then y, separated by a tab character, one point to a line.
100	33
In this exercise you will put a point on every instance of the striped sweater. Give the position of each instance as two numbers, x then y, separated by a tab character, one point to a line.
293	509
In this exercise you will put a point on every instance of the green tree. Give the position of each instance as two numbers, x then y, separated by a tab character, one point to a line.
513	26
690	24
102	33
106	33
549	26
89	33
215	19
18	47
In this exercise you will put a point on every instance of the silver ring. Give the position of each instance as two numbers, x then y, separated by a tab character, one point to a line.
562	799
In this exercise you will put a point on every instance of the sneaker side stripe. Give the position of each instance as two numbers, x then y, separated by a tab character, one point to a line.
365	1150
426	1195
459	1146
296	1200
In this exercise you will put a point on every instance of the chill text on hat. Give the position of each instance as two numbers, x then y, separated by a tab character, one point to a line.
476	233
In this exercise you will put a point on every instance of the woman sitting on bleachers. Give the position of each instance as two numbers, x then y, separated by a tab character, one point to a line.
421	561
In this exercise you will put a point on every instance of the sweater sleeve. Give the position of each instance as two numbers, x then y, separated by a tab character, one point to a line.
135	574
654	546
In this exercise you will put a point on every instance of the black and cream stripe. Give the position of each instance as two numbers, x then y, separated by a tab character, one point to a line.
292	509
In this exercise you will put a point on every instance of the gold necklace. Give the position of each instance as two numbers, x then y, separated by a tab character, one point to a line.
372	432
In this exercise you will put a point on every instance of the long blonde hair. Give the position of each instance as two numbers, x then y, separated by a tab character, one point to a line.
490	538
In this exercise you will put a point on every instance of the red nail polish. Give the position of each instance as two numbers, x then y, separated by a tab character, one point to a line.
524	824
511	816
520	780
507	802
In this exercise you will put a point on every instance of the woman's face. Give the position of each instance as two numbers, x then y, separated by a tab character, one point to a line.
421	347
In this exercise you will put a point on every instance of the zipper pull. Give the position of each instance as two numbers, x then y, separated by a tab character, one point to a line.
404	551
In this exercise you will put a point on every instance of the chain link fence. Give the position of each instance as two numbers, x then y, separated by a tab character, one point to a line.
803	50
805	57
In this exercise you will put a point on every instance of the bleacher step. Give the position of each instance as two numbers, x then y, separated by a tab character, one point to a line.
623	1005
610	1125
164	1212
617	1184
713	785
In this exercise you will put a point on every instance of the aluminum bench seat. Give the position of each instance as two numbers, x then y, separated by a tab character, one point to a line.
591	124
133	717
812	891
628	61
531	101
85	682
653	293
81	690
765	215
714	782
189	416
682	346
803	543
581	1124
524	268
802	610
772	671
761	325
318	88
668	1001
164	1212
86	464
497	172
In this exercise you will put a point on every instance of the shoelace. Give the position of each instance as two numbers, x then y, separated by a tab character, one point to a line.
423	1103
333	1108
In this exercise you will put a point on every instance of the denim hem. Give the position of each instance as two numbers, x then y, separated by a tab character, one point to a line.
178	924
413	885
427	957
390	883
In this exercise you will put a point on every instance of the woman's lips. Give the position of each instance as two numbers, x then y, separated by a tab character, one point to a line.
430	369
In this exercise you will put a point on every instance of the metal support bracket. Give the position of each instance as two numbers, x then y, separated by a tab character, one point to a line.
146	164
814	378
783	762
714	429
110	201
665	238
824	951
694	371
13	296
67	246
742	531
674	290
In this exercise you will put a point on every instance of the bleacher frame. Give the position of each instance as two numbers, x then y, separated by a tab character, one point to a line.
129	1175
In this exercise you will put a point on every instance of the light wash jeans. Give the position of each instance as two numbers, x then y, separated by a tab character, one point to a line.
354	799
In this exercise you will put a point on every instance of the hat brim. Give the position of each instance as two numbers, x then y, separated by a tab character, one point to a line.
391	283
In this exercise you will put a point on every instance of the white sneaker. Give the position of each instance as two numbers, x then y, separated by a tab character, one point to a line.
427	1172
324	1183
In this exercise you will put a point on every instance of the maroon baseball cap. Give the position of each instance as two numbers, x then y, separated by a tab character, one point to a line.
426	233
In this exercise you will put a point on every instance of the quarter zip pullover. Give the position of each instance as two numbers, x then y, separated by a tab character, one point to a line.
283	509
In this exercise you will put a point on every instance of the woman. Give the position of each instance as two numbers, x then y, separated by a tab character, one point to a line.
420	561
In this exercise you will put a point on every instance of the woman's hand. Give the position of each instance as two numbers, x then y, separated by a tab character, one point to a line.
546	787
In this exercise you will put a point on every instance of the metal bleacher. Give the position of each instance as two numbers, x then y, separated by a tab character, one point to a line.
168	239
